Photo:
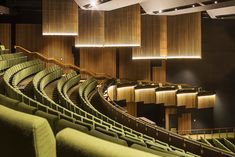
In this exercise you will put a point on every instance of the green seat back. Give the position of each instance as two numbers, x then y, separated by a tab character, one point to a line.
25	135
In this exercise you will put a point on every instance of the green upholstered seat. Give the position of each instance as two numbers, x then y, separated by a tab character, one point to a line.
107	137
24	135
153	151
72	143
62	124
8	102
52	119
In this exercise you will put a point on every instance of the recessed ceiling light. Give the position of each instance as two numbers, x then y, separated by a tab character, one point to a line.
176	9
93	3
160	11
216	2
193	6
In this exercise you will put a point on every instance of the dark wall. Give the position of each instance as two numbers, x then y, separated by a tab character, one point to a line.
215	71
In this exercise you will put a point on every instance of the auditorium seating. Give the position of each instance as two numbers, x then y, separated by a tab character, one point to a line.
86	118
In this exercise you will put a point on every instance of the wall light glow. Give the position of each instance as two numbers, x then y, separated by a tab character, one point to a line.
111	45
206	96
88	45
167	57
58	34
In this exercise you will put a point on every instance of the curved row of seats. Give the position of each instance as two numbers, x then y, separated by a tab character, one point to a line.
220	143
31	136
67	114
150	130
51	75
48	78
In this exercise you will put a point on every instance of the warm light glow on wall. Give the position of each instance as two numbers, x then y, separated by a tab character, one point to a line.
88	45
59	17
206	101
187	99
60	34
126	93
114	45
147	95
168	97
167	57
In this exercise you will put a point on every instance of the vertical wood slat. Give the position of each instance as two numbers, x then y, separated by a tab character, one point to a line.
184	35
133	69
5	35
30	37
99	60
60	17
91	29
123	26
159	73
146	95
150	38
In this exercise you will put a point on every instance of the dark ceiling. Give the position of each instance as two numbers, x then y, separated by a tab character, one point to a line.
23	6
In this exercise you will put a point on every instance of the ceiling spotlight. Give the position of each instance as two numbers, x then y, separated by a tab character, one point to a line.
193	6
160	11
93	3
215	2
176	9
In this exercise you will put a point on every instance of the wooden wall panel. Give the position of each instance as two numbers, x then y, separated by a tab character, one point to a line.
206	101
159	73
133	69
5	35
184	123
127	93
146	95
91	29
30	37
184	36
166	97
187	99
169	111
60	17
99	60
123	26
112	93
150	38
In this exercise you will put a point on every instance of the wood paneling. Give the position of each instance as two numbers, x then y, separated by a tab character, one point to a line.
127	93
187	99
184	123
123	26
166	97
169	111
131	108
159	73
184	35
91	29
133	69
206	101
30	37
99	60
112	93
60	17
150	38
5	35
146	95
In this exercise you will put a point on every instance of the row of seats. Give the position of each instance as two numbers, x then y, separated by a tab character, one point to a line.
158	133
70	118
220	143
49	80
31	136
44	94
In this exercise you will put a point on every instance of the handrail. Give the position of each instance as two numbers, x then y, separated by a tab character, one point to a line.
57	62
212	130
